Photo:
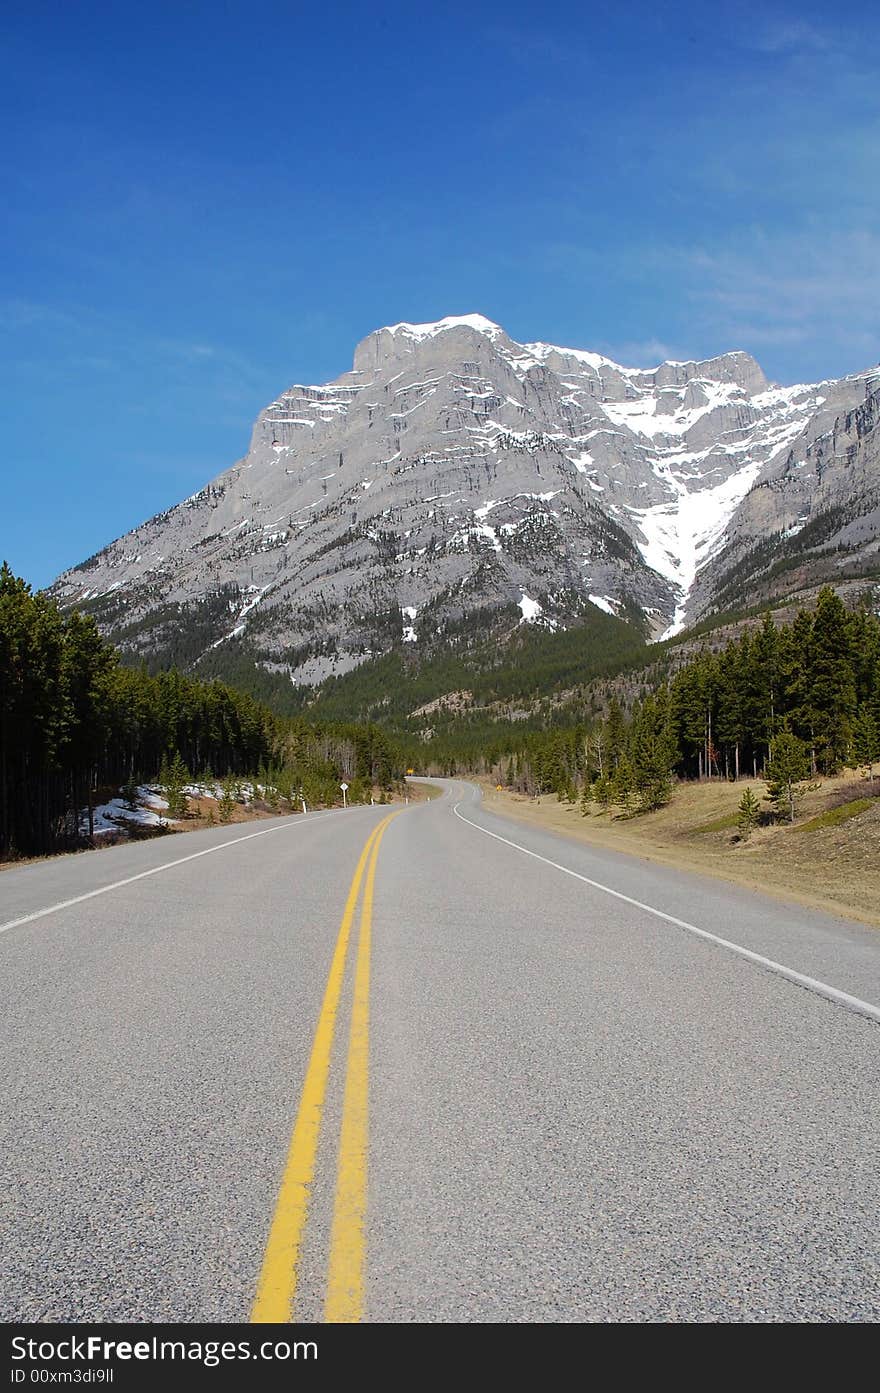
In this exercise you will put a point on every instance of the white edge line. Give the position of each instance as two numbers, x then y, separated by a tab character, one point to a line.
142	875
812	984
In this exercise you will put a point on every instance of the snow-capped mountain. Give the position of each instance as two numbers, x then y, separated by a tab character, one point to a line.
454	469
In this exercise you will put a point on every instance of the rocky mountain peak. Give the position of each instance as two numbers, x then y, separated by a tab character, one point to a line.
455	470
400	342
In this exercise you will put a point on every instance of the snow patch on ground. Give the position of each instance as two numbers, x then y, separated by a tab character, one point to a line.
151	808
112	817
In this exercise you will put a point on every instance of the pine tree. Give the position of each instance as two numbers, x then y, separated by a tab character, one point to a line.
830	681
652	748
763	688
174	778
615	732
795	656
747	814
130	794
623	784
866	742
566	793
602	792
787	769
226	801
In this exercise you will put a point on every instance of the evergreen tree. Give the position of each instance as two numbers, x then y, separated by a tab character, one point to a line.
130	794
602	792
796	648
866	742
357	792
763	678
614	734
652	748
623	784
175	789
226	801
787	769
747	814
830	681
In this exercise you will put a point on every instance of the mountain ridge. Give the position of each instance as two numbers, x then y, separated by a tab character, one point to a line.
454	469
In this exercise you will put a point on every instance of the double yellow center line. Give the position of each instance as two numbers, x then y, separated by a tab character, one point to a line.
276	1288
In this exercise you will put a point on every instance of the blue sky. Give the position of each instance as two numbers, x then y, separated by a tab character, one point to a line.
208	202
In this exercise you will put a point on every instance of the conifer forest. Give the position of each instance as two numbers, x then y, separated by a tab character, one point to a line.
793	701
73	720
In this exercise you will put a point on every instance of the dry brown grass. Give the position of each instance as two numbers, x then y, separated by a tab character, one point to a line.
420	793
835	868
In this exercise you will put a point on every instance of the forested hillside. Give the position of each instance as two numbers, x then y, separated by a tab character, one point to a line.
491	661
72	719
789	702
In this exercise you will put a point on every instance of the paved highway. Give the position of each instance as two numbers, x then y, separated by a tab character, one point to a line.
432	1067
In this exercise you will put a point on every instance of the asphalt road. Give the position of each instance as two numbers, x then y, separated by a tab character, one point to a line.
468	1084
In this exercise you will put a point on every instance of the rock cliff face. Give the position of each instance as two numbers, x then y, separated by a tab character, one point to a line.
454	469
813	514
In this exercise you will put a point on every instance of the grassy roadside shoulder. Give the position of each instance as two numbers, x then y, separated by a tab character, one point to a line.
828	860
418	792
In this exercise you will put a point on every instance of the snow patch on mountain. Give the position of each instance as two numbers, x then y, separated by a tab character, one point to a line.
678	537
419	332
530	609
650	414
604	602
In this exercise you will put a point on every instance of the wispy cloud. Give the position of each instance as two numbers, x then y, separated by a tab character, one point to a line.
775	35
88	337
18	313
641	353
808	297
815	287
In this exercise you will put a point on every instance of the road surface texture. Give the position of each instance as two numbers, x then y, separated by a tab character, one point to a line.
348	1066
